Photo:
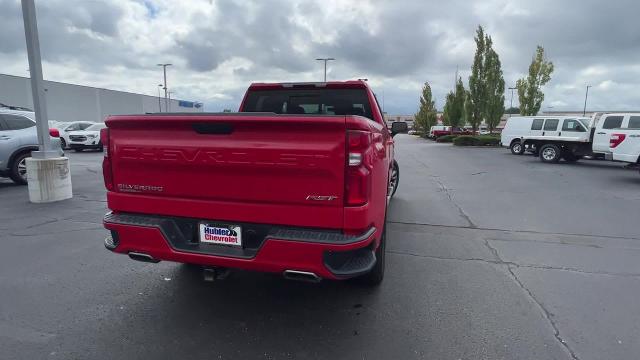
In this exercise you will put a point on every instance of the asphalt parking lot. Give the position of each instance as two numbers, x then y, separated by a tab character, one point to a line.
490	256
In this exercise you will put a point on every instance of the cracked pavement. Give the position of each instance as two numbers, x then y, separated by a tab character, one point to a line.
490	256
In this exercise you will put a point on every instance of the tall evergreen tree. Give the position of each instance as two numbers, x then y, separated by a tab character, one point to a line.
529	93
476	81
446	110
426	116
458	103
494	86
468	108
453	109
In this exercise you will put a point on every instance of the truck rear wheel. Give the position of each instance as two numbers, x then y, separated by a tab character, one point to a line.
550	153
517	148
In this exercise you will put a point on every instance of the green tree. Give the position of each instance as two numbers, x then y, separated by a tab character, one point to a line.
426	116
468	108
457	106
453	114
454	109
494	86
446	110
529	93
476	81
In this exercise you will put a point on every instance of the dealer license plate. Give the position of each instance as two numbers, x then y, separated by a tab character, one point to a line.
221	235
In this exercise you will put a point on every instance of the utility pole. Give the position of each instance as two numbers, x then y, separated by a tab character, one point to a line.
46	172
586	95
37	83
159	104
164	68
511	105
325	66
167	109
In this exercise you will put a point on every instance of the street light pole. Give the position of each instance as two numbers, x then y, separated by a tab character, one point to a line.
170	92
46	172
164	69
45	150
159	104
325	66
586	95
511	106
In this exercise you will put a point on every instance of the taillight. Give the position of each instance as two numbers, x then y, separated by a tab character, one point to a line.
54	133
358	168
616	139
106	161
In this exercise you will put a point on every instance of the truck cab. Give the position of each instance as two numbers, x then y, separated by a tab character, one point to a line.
605	126
624	144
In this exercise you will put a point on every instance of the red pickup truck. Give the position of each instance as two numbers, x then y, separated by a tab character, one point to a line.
297	183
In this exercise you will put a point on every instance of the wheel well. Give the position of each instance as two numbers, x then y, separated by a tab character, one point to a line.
20	152
514	141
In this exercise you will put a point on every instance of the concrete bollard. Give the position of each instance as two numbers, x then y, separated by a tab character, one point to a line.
48	179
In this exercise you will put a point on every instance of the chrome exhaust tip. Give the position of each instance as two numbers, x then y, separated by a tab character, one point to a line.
143	257
301	276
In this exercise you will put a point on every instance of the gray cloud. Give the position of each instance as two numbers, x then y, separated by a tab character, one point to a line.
218	47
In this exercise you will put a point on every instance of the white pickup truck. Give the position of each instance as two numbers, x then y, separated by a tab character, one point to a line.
572	139
625	143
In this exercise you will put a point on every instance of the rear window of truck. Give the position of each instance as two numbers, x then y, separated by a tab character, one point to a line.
634	122
310	101
612	122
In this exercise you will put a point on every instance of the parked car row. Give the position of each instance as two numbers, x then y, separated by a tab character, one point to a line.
437	131
18	138
613	136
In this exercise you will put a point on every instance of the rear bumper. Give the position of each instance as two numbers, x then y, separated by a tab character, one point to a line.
97	145
328	254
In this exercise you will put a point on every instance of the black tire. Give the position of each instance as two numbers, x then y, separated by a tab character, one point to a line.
550	153
63	143
394	178
78	149
18	171
571	157
517	148
376	275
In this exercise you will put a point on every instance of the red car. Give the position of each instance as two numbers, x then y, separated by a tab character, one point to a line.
440	130
297	183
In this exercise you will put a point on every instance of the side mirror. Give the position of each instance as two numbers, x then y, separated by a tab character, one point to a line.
399	127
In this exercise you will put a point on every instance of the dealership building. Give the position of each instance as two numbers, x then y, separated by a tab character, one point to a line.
70	102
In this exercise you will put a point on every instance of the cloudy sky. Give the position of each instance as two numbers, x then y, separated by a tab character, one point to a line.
218	47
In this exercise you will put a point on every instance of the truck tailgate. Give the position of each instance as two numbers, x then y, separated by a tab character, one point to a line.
259	168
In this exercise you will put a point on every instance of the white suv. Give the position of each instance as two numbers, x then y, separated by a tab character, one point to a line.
88	138
67	127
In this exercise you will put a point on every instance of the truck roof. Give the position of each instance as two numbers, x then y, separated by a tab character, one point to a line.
349	84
